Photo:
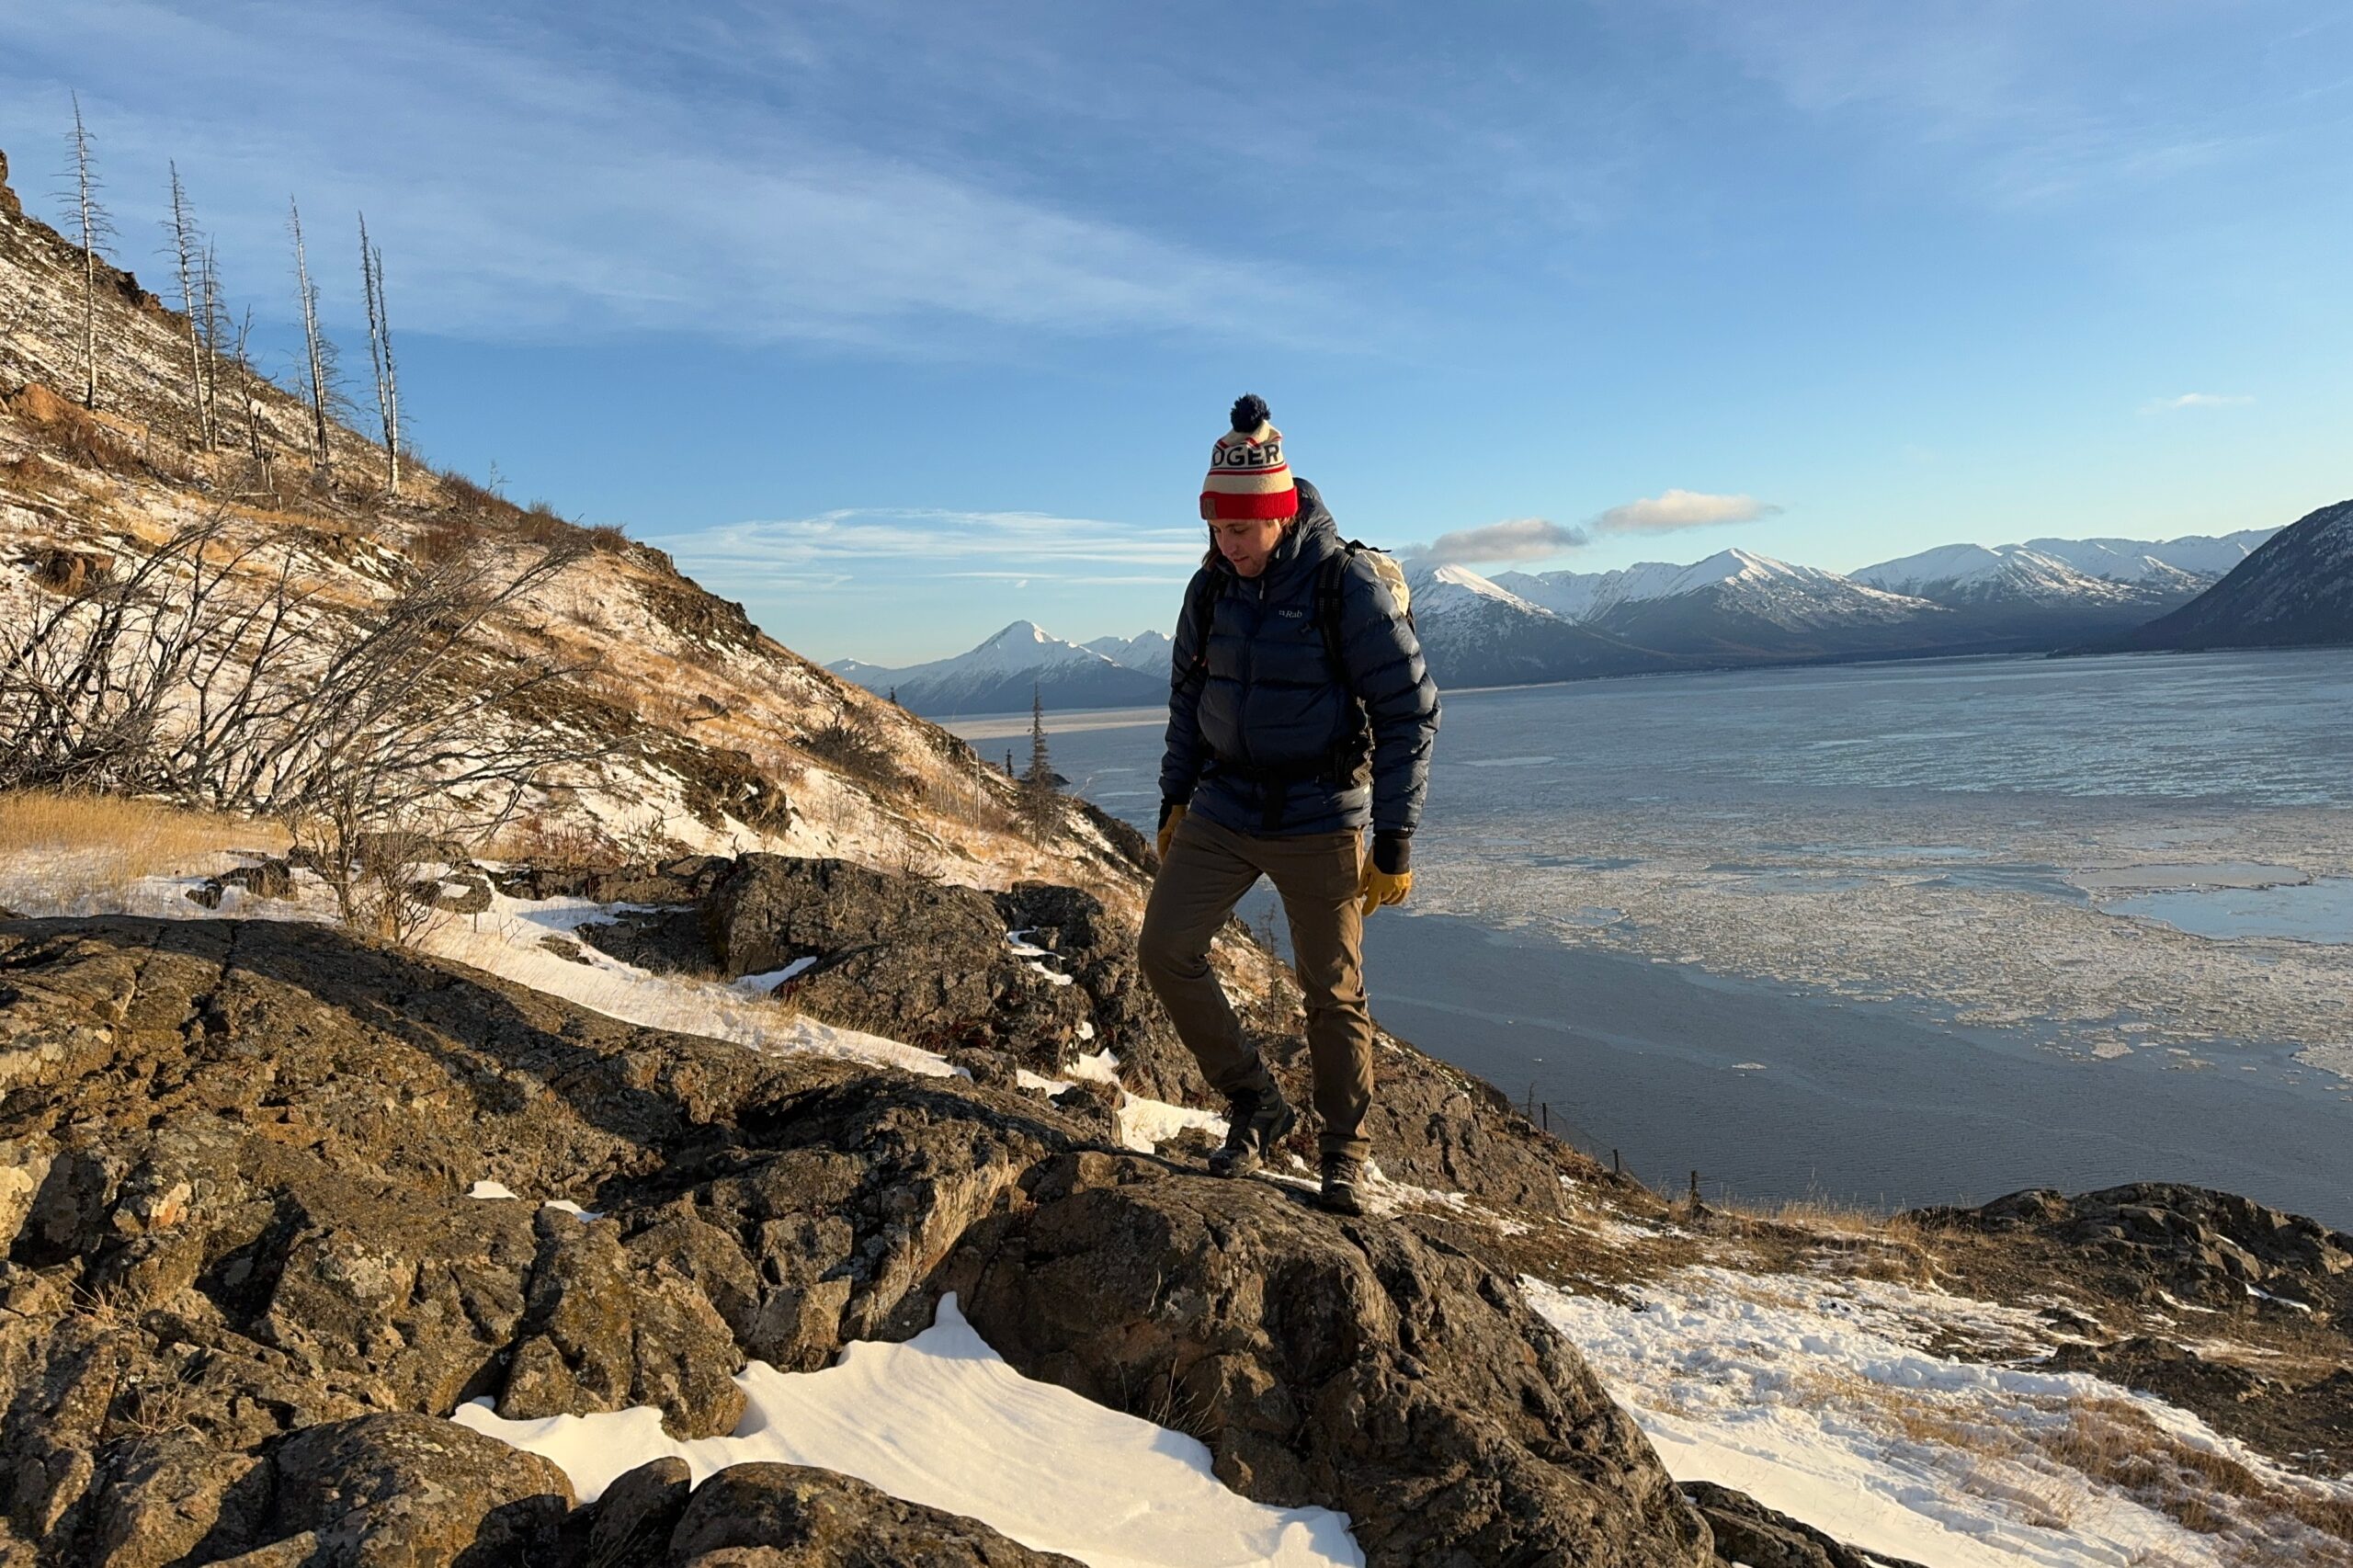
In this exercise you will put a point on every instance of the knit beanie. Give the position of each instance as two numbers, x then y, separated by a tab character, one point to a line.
1247	475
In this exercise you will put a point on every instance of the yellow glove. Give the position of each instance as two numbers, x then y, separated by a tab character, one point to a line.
1378	887
1169	817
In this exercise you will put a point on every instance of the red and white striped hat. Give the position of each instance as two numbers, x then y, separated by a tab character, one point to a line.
1247	475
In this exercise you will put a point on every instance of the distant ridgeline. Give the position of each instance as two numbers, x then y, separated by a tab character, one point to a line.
2296	591
1734	609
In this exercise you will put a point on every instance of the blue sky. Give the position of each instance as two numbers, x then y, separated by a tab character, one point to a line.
898	322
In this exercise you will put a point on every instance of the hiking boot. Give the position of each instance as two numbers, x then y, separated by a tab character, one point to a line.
1255	1119
1343	1185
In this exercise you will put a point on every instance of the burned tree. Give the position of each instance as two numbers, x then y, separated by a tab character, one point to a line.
318	353
380	355
91	220
192	260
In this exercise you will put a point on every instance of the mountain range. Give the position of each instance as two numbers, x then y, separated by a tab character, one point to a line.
1735	607
1023	661
2295	591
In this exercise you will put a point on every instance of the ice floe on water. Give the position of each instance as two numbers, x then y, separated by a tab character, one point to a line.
943	1420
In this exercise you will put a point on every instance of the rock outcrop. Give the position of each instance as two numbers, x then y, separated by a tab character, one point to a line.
1030	977
245	1280
2214	1249
800	1515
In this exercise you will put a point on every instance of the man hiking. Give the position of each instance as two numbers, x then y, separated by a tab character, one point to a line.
1299	713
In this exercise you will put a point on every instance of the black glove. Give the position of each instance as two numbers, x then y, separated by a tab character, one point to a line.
1393	853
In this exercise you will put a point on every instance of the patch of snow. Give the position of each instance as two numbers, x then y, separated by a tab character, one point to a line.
1820	1398
944	1421
1051	976
488	1190
761	985
2282	1300
506	939
1103	1067
569	1207
1144	1124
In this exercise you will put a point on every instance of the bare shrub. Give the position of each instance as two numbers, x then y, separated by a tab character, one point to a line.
204	673
851	746
545	841
467	495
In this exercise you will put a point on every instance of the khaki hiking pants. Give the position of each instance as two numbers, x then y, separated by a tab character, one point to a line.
1208	869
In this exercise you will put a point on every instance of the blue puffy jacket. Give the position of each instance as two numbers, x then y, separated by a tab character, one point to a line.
1264	735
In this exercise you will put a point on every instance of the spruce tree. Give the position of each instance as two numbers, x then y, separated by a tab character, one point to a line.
1040	801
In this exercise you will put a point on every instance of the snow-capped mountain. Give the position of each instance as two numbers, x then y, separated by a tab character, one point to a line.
1737	605
2294	590
1973	574
1476	632
2054	592
1000	676
2164	562
1146	650
2053	571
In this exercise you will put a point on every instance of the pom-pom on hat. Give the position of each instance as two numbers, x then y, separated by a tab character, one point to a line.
1248	477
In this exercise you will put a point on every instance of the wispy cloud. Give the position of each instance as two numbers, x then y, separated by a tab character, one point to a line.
534	180
2193	399
1516	538
1679	509
2028	105
904	547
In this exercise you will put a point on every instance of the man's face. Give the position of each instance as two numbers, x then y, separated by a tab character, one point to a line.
1246	542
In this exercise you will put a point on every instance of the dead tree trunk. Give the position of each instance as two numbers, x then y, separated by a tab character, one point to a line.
380	355
313	344
210	324
187	256
95	228
245	389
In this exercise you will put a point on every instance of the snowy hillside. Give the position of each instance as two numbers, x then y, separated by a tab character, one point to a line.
1758	581
1971	574
1739	606
2162	561
2294	590
1002	674
1475	631
701	732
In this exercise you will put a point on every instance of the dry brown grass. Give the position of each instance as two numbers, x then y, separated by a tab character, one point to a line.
1834	1216
550	841
2113	1443
89	846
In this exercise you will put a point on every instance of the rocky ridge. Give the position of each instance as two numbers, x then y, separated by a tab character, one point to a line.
2296	590
242	1258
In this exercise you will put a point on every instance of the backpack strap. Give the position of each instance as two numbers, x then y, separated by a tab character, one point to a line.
1200	607
1330	579
1351	753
